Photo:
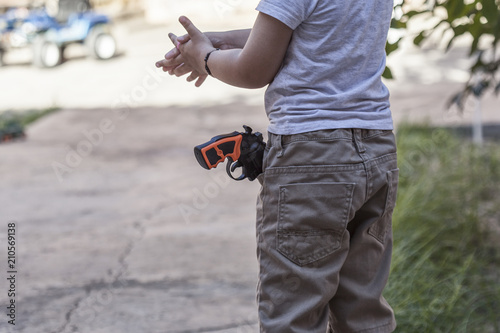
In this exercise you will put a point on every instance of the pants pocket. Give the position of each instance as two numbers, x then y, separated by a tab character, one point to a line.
312	219
379	228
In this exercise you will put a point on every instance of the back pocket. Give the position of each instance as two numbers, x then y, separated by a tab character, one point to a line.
380	228
312	219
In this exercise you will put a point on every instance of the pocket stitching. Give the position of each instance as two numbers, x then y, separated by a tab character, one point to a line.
285	234
375	230
392	176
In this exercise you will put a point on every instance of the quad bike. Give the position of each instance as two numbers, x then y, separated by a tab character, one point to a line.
89	29
49	35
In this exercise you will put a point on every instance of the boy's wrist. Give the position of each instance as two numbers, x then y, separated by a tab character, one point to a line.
205	60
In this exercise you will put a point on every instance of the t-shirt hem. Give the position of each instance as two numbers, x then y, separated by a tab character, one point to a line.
279	130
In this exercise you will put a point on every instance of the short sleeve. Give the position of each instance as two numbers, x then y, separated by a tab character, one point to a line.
291	13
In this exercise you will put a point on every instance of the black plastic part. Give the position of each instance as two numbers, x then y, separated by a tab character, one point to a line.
232	166
199	158
212	156
251	154
227	147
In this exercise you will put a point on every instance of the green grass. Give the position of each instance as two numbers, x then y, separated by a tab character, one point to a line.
446	270
31	116
12	124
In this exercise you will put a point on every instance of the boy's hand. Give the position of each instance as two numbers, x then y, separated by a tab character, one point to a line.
176	40
173	62
196	48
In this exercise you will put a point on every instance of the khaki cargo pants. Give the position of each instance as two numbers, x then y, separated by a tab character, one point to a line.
324	235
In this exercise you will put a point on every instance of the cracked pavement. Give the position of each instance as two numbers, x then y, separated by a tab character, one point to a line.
137	237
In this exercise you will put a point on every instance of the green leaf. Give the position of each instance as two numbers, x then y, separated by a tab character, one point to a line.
413	13
421	36
387	73
490	10
389	48
398	24
457	9
476	30
455	18
460	29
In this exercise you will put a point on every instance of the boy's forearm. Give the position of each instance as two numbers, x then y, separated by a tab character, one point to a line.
247	58
231	67
256	64
224	66
233	39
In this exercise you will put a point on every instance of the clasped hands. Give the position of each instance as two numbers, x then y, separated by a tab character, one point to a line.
188	54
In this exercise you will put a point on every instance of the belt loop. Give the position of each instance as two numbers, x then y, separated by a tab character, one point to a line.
358	141
279	145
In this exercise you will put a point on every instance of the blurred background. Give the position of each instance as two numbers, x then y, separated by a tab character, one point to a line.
118	229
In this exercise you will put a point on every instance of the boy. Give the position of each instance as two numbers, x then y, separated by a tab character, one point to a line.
330	174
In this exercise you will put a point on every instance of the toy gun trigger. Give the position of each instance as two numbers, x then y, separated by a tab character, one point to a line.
231	166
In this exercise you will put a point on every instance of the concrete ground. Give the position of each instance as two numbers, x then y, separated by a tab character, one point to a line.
122	231
118	228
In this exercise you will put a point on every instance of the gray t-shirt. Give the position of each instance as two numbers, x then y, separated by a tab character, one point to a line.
331	74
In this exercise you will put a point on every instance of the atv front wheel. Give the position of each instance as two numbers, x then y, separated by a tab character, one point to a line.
100	43
1	57
46	54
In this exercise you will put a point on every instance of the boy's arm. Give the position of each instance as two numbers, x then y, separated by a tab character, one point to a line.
226	40
253	66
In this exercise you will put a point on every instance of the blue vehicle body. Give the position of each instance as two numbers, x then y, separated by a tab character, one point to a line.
23	30
76	29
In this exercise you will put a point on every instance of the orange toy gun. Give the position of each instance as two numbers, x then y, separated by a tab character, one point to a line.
245	150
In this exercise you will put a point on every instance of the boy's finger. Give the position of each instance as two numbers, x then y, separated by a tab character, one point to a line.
183	39
193	76
200	81
169	62
161	63
172	54
182	70
168	68
173	38
189	26
164	63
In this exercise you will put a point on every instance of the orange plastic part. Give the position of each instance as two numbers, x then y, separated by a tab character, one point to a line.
235	155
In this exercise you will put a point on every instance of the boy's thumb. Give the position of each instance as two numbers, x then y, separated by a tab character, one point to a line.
189	26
